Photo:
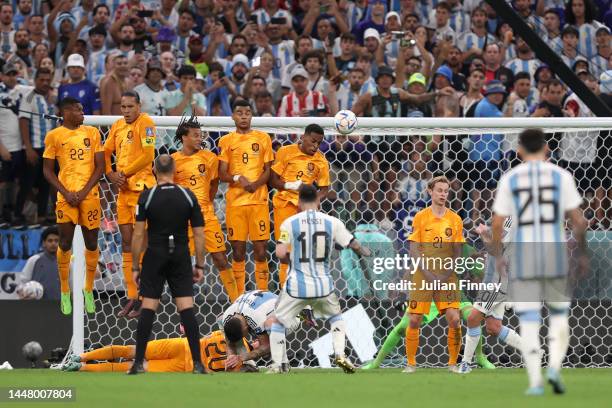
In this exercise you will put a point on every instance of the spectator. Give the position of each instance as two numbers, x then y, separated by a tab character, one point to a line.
375	20
350	89
469	100
152	93
605	80
523	8
7	30
22	50
168	63
522	95
114	84
417	85
604	51
34	127
364	63
165	43
124	37
303	44
580	14
280	49
303	101
266	64
552	26
440	23
60	27
267	9
97	53
313	64
255	84
237	80
40	51
472	42
80	87
168	16
24	11
184	30
185	101
142	39
42	267
196	56
125	10
551	97
493	69
525	60
11	145
136	75
569	53
100	16
346	61
263	104
373	45
36	27
391	42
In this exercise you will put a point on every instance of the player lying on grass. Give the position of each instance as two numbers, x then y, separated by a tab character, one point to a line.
162	356
490	306
465	308
250	315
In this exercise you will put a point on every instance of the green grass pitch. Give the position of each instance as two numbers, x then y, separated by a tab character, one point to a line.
317	389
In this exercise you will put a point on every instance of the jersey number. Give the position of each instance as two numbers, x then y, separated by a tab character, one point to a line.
92	215
299	175
76	154
525	198
192	180
245	158
320	246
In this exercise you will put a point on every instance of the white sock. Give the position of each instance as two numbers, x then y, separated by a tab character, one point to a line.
530	333
510	337
472	337
277	343
558	339
338	329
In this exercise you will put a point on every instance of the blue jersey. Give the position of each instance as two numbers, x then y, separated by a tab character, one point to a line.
85	92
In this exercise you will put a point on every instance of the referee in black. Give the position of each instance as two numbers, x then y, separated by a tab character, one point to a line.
168	209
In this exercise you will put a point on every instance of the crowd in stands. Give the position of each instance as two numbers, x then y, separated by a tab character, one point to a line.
309	58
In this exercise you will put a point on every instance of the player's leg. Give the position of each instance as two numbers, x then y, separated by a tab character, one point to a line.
503	333
67	217
237	231
285	311
389	344
473	336
416	310
126	207
329	308
280	215
215	245
92	253
558	341
530	321
259	233
104	367
454	334
108	353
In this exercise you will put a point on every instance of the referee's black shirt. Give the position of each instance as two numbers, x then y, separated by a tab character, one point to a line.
169	209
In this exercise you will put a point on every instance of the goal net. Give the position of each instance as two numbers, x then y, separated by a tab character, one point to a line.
379	175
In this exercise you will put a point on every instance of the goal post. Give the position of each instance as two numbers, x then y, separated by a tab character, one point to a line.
380	171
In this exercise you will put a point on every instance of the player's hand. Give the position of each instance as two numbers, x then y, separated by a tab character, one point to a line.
232	361
31	156
72	198
136	276
481	229
5	154
117	178
198	275
293	185
367	252
447	91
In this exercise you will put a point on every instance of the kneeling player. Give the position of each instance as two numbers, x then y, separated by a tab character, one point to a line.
490	307
251	314
162	356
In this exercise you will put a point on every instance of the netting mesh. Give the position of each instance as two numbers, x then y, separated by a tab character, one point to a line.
383	173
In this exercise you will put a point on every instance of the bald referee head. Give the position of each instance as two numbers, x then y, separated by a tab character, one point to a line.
164	168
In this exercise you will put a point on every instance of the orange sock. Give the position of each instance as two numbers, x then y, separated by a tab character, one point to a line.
229	283
109	353
412	344
107	367
282	274
132	290
239	271
262	275
63	266
454	344
91	266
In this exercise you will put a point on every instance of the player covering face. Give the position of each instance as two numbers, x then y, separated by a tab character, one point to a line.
244	162
197	169
78	151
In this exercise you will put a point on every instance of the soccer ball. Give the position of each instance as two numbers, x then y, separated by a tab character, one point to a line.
32	351
345	122
31	290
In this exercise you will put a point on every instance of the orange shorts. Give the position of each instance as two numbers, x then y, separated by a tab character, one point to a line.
167	356
126	207
280	215
87	214
444	299
214	240
248	221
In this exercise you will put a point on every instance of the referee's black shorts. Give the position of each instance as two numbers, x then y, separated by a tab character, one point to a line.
159	266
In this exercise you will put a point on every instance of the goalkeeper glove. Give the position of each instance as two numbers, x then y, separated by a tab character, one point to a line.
293	185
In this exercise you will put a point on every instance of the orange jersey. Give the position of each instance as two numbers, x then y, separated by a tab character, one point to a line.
292	164
437	232
128	141
74	150
196	172
246	155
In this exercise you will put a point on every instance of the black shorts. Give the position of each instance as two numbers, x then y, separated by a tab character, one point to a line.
12	169
159	267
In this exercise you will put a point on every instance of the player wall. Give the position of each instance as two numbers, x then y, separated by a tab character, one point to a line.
385	176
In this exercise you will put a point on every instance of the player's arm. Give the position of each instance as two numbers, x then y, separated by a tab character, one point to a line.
197	225
115	177
261	180
233	359
95	176
49	173
345	239
359	249
497	230
147	141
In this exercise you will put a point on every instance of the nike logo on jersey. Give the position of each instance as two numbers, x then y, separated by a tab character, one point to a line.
427	230
231	150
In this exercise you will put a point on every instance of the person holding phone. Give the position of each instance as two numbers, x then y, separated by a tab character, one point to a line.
266	10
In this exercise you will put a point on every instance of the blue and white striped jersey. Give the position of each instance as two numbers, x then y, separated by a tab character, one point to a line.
33	106
255	306
537	195
311	235
586	42
517	65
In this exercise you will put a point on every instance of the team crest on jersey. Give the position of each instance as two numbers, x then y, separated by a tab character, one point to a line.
201	169
311	167
130	135
448	232
86	142
60	214
255	147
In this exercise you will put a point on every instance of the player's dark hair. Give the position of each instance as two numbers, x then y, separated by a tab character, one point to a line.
131	94
52	230
241	102
522	75
314	128
532	140
66	102
233	329
308	193
183	128
164	164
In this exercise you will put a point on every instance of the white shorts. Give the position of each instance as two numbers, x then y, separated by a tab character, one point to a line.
288	307
491	304
531	294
